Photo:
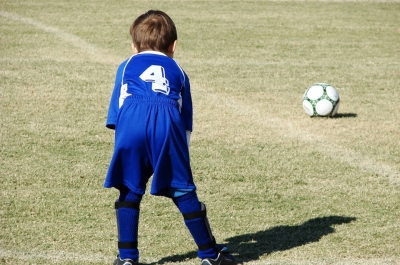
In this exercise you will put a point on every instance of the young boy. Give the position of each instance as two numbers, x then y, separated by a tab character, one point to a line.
151	112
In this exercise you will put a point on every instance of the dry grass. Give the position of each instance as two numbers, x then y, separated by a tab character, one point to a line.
281	188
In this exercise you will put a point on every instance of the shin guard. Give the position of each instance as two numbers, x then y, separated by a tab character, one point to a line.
199	227
127	213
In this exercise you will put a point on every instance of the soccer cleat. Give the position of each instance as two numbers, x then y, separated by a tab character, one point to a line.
119	261
224	258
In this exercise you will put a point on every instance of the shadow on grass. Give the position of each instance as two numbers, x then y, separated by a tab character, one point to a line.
337	116
344	115
280	238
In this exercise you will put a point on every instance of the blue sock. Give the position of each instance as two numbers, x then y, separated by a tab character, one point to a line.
127	224
198	227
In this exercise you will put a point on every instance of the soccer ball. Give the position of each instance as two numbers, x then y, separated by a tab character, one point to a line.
321	100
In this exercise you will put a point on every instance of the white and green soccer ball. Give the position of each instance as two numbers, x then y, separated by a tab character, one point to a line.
321	100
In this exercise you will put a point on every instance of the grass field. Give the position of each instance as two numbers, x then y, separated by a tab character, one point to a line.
280	187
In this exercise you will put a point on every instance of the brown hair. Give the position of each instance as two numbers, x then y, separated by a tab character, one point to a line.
153	30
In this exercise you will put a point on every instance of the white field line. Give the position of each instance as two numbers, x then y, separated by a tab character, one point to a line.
60	257
55	257
328	262
326	1
94	52
335	1
287	129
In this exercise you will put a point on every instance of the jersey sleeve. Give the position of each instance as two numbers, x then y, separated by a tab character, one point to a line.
113	108
187	107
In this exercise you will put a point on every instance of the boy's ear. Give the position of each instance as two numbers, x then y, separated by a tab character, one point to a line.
172	47
134	49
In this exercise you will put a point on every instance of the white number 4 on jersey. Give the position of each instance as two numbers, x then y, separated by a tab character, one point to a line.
156	75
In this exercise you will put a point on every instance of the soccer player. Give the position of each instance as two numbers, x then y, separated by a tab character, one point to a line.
151	112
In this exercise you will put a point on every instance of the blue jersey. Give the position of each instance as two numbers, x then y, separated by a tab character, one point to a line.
150	110
151	74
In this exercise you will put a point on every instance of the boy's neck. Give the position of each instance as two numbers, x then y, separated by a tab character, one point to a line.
169	53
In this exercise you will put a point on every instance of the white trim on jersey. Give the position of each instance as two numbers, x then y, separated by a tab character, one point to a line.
124	87
123	94
152	52
183	73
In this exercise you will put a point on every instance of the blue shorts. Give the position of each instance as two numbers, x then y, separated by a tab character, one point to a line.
150	139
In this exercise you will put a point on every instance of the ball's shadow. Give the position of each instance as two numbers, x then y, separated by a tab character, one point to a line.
252	246
344	115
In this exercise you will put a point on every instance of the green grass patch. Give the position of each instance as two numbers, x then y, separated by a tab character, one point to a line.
280	187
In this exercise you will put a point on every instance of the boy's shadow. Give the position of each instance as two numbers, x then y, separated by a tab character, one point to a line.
251	246
279	238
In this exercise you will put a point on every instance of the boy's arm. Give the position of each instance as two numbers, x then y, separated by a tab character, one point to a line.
187	107
113	108
188	137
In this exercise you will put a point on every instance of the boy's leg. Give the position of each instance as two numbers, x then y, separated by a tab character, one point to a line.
127	213
195	219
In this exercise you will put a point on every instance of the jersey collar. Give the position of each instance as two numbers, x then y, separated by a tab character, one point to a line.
152	52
